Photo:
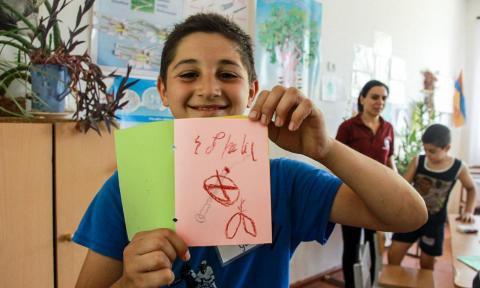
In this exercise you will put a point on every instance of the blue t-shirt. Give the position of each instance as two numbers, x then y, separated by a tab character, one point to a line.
302	197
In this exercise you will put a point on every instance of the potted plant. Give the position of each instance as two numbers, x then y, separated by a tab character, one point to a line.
54	70
423	114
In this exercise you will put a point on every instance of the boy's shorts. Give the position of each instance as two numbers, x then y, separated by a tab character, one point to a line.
431	238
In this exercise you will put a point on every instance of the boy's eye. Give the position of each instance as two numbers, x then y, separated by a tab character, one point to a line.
227	75
188	75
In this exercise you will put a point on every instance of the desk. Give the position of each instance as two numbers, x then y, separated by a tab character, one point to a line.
463	244
399	276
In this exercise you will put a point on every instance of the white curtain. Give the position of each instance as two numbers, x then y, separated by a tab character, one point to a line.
473	108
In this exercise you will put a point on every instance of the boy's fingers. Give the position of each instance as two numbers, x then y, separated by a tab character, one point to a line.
256	111
286	106
270	104
153	261
303	110
163	240
156	279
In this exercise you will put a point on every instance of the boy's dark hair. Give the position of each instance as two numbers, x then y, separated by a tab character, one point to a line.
437	135
366	88
208	23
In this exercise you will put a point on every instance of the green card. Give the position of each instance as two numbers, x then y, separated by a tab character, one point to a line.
147	182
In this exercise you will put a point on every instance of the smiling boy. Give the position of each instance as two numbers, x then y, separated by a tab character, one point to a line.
207	70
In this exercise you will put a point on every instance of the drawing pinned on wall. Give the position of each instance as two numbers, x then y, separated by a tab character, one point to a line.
382	44
358	80
144	103
382	68
226	201
288	44
332	88
363	58
398	69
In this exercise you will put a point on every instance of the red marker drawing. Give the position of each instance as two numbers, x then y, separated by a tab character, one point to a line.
236	220
220	188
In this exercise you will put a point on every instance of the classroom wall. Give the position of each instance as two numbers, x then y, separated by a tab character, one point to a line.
472	72
426	34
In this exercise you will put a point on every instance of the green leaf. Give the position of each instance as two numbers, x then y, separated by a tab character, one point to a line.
17	14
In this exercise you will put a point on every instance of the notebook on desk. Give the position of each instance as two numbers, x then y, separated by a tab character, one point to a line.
471	261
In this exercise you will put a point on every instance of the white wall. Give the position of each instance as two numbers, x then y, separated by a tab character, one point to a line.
426	34
472	72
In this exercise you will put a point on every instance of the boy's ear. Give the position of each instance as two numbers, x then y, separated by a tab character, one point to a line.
162	91
447	147
252	92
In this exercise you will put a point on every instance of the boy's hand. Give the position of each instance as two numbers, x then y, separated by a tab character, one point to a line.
147	260
466	218
298	125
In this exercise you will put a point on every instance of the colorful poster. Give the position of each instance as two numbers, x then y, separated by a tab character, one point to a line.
132	32
206	178
144	103
288	44
237	10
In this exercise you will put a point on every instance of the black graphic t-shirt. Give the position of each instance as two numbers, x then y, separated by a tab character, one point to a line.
435	187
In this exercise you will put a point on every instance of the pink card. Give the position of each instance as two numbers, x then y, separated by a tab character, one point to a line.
222	182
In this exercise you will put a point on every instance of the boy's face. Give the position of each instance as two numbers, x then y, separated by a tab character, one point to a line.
206	78
434	153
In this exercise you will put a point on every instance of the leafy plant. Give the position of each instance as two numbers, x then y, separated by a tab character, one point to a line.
43	44
411	137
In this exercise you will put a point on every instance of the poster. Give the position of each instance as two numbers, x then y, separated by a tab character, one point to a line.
144	103
287	44
132	32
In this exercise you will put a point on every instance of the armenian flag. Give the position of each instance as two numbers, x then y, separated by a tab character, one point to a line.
459	109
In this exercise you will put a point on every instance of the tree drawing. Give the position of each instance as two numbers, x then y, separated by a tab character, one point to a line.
290	39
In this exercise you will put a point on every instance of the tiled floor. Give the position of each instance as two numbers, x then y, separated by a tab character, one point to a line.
443	272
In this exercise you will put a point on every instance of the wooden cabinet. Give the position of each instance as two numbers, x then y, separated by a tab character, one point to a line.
26	226
49	173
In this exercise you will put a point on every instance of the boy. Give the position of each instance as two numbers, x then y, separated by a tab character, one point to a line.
433	175
207	70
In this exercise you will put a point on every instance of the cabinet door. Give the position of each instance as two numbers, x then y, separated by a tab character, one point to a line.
83	163
26	226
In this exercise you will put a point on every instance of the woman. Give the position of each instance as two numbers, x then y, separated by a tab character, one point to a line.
372	136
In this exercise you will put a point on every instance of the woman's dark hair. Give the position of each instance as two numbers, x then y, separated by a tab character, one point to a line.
437	135
209	23
366	88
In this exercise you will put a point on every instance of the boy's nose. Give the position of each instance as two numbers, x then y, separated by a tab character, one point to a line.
209	87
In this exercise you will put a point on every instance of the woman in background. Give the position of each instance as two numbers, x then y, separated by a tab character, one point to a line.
372	136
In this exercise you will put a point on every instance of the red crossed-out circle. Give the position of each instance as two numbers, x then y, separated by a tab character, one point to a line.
222	189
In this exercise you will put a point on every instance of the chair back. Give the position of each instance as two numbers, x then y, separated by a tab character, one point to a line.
361	269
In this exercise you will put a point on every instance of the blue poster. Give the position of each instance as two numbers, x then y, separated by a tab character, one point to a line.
144	103
133	32
288	44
